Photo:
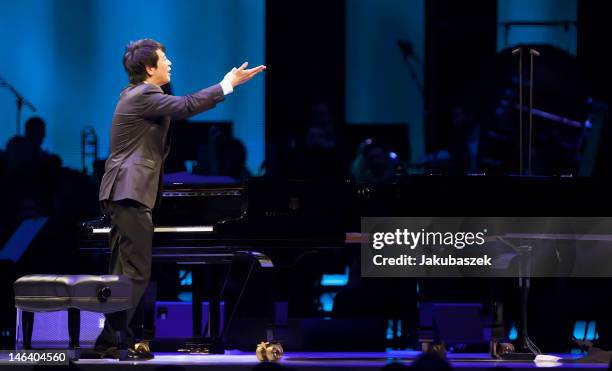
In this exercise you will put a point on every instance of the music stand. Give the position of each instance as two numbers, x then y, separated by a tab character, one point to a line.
529	349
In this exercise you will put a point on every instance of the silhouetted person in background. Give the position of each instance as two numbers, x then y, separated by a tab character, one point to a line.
32	172
313	151
19	159
233	160
25	154
373	164
222	155
320	157
464	141
35	132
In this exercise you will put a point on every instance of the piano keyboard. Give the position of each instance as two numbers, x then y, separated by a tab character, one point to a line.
193	229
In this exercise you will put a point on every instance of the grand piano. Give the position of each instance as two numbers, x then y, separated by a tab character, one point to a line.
269	223
265	214
273	223
224	222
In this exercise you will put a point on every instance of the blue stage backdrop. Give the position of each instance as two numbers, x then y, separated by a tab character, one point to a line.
65	57
379	86
537	11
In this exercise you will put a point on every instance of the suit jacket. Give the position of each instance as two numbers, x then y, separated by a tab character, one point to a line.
138	143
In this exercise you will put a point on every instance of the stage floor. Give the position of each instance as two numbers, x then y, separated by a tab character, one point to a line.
318	361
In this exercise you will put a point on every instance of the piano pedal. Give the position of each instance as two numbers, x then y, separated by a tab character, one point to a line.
203	348
507	352
499	350
269	351
437	348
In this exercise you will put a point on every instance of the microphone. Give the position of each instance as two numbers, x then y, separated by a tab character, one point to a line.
408	51
534	52
405	47
516	51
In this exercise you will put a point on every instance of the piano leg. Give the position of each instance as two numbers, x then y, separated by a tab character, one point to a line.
196	301
206	286
275	302
212	274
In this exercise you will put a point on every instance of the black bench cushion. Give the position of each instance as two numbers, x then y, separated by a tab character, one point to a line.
48	292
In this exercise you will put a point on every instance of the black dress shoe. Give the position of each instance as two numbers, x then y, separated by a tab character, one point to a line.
139	352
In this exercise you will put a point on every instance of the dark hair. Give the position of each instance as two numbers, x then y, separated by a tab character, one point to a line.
138	55
34	123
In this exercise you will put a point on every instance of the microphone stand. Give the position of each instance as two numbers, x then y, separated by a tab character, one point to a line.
528	350
533	53
519	51
408	52
20	100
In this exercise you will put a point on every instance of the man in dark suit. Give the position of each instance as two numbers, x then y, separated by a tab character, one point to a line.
133	173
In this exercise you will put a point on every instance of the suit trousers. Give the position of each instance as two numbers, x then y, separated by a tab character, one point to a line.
131	241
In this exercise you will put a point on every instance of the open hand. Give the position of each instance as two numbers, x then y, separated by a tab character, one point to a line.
240	75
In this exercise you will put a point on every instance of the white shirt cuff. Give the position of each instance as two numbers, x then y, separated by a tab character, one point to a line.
227	87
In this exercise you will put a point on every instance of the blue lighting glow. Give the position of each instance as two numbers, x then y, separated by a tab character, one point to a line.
185	277
375	64
327	301
591	330
185	296
65	58
579	330
336	279
585	330
537	11
513	334
389	330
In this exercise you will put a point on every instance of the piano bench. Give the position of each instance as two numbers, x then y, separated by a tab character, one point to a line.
50	292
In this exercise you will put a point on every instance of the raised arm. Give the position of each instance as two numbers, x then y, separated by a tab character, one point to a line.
156	103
